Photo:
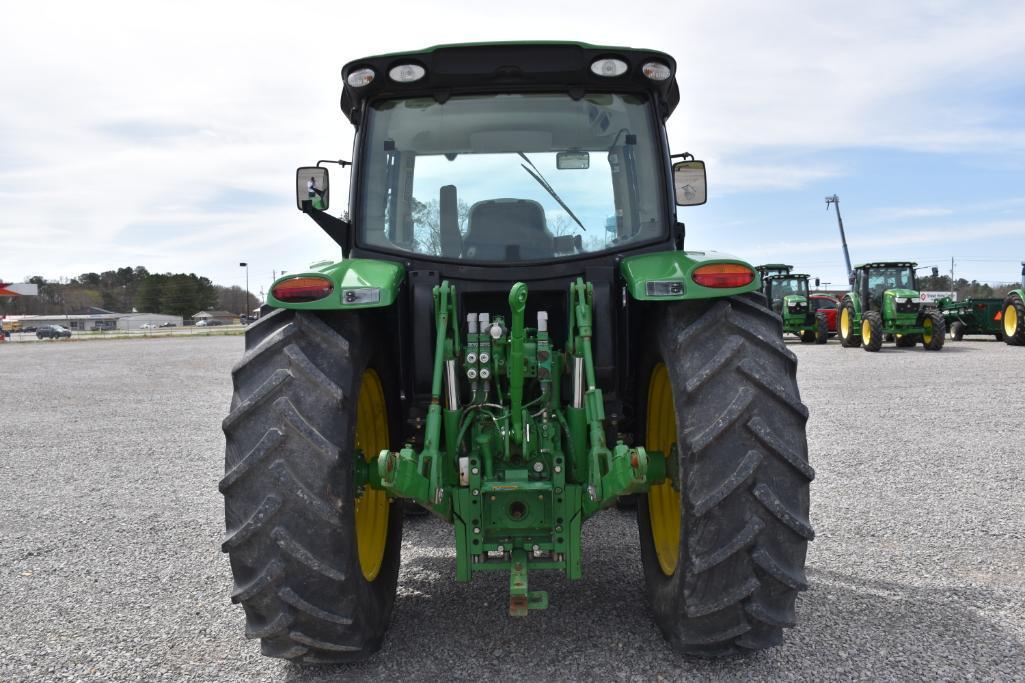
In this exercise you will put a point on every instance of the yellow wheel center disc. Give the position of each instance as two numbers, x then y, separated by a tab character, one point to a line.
927	335
372	506
1010	320
845	323
866	331
663	499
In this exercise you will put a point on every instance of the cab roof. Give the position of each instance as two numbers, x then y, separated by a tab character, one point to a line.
885	264
786	276
534	66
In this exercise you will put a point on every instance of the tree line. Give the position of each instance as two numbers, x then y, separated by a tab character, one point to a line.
128	289
966	289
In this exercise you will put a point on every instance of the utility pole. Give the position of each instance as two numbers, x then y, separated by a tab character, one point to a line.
952	277
246	307
835	200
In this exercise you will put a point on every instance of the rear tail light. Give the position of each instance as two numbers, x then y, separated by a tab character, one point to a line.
302	289
723	275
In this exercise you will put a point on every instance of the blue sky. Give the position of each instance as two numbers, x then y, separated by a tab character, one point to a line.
167	134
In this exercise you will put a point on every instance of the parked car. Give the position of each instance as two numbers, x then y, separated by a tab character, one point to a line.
201	323
147	326
213	323
52	332
169	324
828	305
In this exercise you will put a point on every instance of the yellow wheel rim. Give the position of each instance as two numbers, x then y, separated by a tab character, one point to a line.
845	323
372	506
927	335
663	499
1010	320
866	331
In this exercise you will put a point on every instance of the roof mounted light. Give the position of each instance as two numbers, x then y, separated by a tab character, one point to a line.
406	73
656	71
360	78
608	67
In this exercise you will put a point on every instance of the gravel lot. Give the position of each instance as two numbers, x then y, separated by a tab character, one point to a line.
110	526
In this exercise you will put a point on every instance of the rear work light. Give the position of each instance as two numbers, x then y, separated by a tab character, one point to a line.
406	73
608	67
302	289
360	78
723	275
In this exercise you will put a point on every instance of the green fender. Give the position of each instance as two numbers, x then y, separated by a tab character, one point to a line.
667	276
358	283
856	300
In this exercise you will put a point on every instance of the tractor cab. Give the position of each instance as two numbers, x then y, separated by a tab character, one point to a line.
887	285
765	270
787	293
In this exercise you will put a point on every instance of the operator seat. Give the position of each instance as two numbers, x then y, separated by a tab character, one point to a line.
508	229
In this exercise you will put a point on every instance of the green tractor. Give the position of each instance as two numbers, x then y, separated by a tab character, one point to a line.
885	301
788	296
495	349
1013	314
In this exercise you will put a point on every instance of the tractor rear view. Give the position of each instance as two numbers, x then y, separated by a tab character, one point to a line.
884	301
514	339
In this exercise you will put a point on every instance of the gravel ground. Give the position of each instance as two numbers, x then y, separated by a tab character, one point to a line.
110	525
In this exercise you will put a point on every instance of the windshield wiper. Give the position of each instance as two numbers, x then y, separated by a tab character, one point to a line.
536	175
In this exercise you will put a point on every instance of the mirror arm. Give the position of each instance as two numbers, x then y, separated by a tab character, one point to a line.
679	233
337	229
341	162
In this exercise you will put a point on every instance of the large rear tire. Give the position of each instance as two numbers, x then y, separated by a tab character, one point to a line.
315	567
846	326
1013	320
723	545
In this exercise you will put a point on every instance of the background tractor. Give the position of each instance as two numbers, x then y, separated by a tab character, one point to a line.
496	349
884	301
1013	314
788	296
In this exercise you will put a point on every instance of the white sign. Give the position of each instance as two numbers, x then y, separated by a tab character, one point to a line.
933	297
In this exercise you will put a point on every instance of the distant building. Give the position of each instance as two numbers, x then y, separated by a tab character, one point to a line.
89	322
223	316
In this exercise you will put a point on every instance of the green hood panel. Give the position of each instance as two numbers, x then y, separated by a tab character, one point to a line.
667	276
358	283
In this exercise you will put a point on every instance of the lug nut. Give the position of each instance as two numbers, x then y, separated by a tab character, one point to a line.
485	373
485	357
471	357
472	373
539	466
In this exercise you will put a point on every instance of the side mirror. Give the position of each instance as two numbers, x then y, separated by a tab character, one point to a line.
689	181
311	185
